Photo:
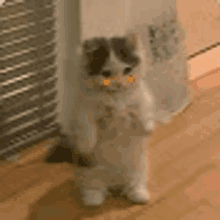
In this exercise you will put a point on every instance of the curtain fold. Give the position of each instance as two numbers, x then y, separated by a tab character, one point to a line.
163	37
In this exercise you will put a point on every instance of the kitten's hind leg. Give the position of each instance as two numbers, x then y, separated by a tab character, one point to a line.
136	191
136	187
138	194
93	188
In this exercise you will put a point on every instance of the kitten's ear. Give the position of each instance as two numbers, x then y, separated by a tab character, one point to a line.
90	46
132	40
85	47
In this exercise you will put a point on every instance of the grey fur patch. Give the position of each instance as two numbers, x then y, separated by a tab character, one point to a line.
97	52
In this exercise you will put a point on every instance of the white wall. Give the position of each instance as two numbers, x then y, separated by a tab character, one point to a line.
103	17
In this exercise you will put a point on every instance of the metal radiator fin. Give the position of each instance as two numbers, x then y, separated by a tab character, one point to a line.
27	74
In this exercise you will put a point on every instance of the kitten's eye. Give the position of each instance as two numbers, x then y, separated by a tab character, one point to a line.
127	70
106	74
123	53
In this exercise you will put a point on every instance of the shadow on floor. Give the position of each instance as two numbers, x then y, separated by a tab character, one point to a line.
63	153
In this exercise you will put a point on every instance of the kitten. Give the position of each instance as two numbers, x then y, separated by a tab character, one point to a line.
114	113
121	63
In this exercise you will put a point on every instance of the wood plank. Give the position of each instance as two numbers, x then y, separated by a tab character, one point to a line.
177	161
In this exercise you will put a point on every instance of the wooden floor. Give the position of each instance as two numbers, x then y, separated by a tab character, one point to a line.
184	178
184	155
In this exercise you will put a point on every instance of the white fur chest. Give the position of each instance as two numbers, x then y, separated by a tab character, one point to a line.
121	151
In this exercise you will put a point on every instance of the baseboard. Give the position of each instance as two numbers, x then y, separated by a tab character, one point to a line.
34	153
204	71
203	63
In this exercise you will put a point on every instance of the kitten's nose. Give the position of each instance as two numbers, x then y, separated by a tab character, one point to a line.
127	70
118	86
106	74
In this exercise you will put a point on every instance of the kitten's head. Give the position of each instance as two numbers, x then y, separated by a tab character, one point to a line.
115	64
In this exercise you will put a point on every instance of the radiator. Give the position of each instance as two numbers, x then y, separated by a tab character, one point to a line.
28	74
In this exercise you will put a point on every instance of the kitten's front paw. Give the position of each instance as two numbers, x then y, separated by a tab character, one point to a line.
93	197
150	125
139	195
149	122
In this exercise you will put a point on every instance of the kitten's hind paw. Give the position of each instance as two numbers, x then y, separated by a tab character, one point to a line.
93	197
138	195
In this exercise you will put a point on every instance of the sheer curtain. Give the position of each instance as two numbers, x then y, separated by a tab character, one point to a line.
168	77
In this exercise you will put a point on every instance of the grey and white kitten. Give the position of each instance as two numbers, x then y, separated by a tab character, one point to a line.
116	60
114	113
